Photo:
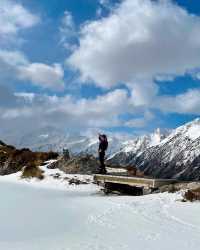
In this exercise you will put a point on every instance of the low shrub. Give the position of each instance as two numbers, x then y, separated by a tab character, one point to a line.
192	195
31	170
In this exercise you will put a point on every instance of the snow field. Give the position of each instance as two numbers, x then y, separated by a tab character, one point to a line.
80	217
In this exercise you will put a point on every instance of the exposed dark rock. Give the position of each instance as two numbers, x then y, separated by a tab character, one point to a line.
121	159
83	164
76	181
52	165
56	176
166	161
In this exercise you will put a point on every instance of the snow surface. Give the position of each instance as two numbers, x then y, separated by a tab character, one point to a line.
190	129
49	182
43	215
156	138
194	132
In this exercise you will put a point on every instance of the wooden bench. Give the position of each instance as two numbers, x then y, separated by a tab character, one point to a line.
117	182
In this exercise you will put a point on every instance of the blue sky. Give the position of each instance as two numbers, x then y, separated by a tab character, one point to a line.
90	65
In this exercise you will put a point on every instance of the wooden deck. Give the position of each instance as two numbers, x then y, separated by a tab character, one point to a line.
133	181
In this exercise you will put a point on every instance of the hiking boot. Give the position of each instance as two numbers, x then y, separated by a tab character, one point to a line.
102	171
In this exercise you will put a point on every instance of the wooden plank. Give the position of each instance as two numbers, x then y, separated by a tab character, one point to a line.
133	181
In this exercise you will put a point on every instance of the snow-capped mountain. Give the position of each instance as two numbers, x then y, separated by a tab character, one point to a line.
176	156
172	155
131	148
53	139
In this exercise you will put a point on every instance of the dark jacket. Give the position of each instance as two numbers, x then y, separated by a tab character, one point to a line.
103	143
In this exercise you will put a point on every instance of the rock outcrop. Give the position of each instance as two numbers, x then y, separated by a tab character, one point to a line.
13	160
82	164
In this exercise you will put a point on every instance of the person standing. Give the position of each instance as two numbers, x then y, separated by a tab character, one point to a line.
103	145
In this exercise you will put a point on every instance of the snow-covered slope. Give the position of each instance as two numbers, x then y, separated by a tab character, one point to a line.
178	155
80	217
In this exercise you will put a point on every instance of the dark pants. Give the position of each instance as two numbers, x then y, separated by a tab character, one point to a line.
102	159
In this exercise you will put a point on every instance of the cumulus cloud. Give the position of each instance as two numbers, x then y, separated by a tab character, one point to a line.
39	74
143	92
13	58
7	98
140	39
103	5
185	103
67	112
140	122
14	113
13	17
43	75
13	63
138	43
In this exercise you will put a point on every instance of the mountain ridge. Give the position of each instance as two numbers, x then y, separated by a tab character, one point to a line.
173	154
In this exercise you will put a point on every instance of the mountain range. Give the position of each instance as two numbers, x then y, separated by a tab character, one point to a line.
173	155
53	139
169	154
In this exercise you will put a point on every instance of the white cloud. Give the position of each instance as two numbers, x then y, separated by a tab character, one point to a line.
28	97
143	92
43	75
185	103
13	58
106	4
140	39
138	42
141	121
196	74
13	63
16	113
102	111
7	98
103	5
39	74
67	112
13	17
68	31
